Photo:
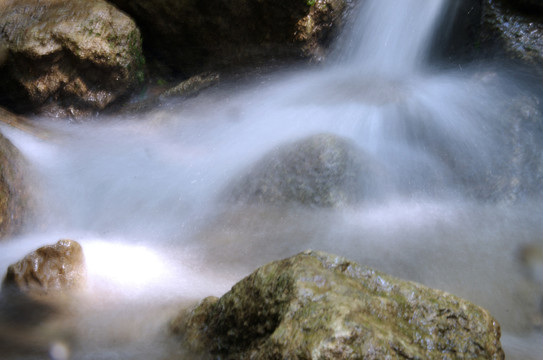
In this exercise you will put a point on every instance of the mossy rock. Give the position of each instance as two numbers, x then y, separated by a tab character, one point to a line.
320	306
47	271
68	57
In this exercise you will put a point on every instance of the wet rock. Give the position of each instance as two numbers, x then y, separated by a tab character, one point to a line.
319	306
323	170
67	57
192	86
15	197
50	270
37	298
190	36
516	32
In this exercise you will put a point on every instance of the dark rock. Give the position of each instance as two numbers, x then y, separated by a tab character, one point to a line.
67	57
322	170
191	36
50	270
516	33
525	5
320	306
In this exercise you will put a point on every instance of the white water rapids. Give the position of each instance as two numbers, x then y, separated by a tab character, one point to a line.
142	193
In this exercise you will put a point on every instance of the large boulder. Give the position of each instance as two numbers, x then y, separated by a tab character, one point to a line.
322	170
67	57
320	306
190	36
15	197
48	271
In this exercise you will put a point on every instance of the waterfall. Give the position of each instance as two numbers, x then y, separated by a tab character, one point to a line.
391	37
141	193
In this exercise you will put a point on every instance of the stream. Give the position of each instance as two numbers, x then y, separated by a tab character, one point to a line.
143	194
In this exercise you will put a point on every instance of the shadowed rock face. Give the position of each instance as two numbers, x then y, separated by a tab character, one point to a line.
514	28
191	36
319	306
322	170
14	194
49	270
67	57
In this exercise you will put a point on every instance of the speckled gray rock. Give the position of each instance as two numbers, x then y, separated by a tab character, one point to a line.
319	306
516	32
322	170
67	57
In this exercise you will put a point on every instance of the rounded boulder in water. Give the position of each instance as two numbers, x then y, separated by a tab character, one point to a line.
323	170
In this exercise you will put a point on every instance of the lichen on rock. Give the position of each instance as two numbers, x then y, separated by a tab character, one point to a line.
320	306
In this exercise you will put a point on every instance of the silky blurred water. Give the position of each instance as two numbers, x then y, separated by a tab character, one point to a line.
142	193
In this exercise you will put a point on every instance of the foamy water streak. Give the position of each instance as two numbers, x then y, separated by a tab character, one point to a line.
392	37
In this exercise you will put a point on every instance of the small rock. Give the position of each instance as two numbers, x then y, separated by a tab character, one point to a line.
192	86
518	34
49	270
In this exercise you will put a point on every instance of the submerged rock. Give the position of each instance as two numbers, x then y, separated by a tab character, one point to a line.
321	170
14	194
49	270
190	36
67	57
319	306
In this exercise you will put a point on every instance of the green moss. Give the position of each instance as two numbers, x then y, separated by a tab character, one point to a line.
318	306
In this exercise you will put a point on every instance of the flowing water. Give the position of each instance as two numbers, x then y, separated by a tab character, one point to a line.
142	194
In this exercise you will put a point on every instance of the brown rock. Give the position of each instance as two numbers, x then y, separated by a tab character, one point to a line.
68	57
49	270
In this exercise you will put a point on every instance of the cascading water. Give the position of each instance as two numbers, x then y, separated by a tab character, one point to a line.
142	194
